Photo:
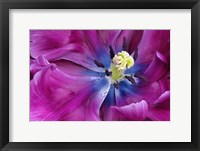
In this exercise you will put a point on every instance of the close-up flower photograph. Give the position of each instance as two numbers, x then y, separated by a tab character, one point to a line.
99	75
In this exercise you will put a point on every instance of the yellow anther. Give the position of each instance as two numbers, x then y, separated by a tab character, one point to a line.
123	60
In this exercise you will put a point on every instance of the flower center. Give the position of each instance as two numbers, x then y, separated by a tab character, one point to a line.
120	63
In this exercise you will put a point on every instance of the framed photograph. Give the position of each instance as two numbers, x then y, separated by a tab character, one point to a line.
99	75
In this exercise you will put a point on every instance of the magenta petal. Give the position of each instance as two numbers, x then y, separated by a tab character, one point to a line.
92	39
74	69
91	43
108	37
129	93
69	67
80	99
77	115
82	60
153	40
159	114
149	93
42	40
90	109
135	40
163	100
51	89
160	110
134	111
157	68
124	98
165	82
119	41
95	102
54	44
73	109
38	64
56	53
80	47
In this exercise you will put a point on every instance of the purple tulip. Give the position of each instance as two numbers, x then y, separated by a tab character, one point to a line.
100	75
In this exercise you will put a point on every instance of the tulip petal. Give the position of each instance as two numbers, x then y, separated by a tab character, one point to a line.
129	93
160	109
108	37
133	38
163	100
165	82
158	68
95	44
82	60
54	43
109	100
88	109
95	102
54	94
47	39
81	47
159	114
137	68
153	40
134	111
126	90
124	34
74	69
37	65
75	102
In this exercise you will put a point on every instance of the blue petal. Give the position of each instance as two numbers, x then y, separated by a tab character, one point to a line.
99	83
104	58
110	98
126	88
93	73
138	68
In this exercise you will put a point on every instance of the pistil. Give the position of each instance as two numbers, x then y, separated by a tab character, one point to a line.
120	63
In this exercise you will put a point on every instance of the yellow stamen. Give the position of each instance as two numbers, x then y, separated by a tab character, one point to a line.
121	62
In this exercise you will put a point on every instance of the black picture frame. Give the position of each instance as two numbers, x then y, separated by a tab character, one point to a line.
5	5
